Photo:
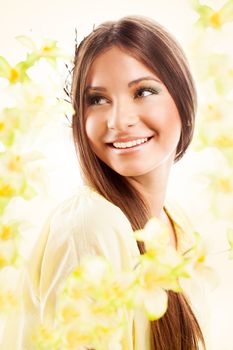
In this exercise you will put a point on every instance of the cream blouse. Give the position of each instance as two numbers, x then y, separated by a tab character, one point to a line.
86	224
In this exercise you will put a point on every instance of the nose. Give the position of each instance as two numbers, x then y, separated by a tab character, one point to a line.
122	116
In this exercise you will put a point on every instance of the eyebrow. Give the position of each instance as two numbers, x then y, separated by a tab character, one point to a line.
131	83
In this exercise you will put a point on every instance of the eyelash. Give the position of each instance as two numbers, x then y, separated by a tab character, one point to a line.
91	99
142	89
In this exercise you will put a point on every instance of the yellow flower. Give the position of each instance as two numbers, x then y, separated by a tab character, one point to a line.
68	312
14	75
212	112
155	303
8	301
3	261
8	253
222	183
5	232
211	18
156	275
2	125
15	163
6	190
224	140
198	266
9	235
159	270
46	338
199	250
46	49
215	20
225	185
92	305
155	234
9	296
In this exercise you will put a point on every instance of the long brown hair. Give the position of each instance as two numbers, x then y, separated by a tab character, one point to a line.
150	43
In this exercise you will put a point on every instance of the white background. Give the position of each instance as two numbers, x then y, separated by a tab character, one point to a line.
58	19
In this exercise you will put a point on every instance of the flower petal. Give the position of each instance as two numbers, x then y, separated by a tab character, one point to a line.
155	303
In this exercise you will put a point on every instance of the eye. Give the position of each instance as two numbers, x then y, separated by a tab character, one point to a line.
95	100
145	91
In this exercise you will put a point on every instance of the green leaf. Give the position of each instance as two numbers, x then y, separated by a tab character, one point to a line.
195	4
4	68
226	11
27	191
230	241
205	13
230	237
31	59
10	138
22	67
3	203
26	41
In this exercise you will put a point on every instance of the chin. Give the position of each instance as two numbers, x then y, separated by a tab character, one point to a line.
131	172
136	171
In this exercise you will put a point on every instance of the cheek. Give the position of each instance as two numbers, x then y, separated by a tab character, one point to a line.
164	119
175	121
89	127
92	129
172	129
170	119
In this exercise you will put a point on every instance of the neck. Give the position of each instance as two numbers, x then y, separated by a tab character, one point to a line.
152	187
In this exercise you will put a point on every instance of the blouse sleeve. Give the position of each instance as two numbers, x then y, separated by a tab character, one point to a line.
83	225
20	322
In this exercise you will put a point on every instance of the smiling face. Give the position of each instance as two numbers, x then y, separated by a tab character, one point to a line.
131	120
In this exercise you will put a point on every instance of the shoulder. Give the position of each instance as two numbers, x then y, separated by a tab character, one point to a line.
84	224
93	226
87	209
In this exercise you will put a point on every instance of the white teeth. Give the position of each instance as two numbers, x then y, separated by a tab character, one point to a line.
129	143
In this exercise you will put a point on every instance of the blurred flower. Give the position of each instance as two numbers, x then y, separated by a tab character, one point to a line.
208	17
27	108
159	270
198	266
9	299
216	68
46	338
214	173
14	185
32	109
18	73
9	235
221	183
230	241
94	301
155	235
90	311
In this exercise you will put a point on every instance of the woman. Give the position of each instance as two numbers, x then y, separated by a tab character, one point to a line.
134	102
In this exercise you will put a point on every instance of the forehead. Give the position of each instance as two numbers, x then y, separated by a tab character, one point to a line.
118	64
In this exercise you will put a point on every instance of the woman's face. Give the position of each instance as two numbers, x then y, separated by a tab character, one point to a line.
132	122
